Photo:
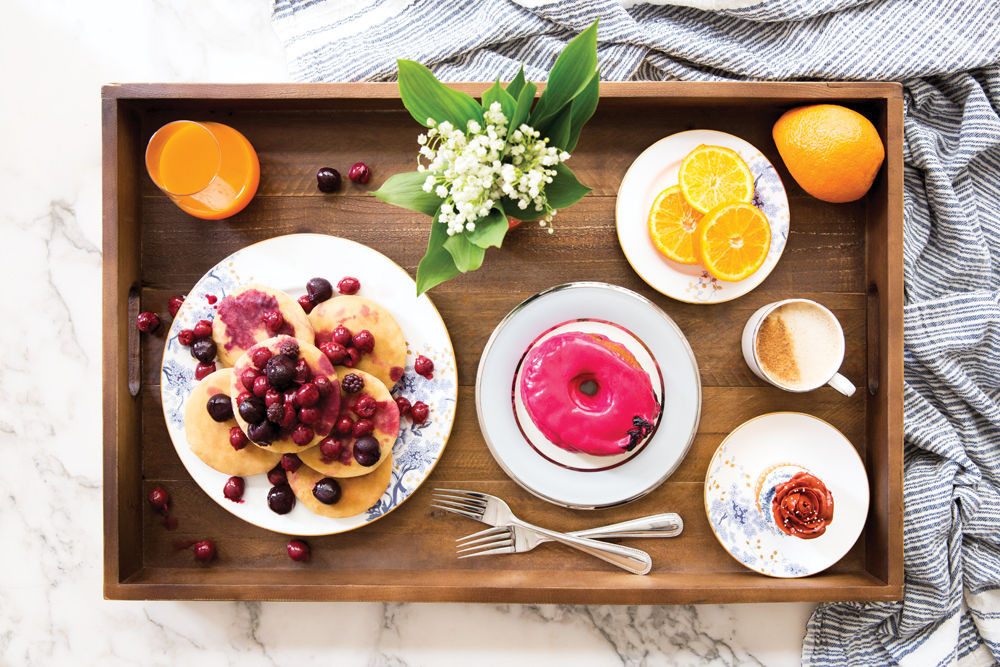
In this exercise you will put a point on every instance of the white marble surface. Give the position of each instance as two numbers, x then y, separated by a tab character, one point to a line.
56	54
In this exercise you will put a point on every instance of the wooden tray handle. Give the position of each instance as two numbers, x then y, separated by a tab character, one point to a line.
134	361
872	325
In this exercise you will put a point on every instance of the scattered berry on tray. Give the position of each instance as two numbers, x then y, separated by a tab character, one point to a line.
147	322
348	285
174	304
233	490
204	551
328	179
359	172
159	498
298	550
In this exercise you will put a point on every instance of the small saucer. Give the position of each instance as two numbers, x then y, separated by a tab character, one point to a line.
575	480
744	468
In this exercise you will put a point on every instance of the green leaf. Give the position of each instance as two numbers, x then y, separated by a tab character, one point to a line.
426	97
497	94
559	129
565	189
437	265
490	229
570	75
515	86
406	190
583	106
511	208
523	107
467	256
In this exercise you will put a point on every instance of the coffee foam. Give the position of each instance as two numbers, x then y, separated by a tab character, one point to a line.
799	345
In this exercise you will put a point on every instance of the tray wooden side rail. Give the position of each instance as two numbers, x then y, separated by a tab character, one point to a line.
846	256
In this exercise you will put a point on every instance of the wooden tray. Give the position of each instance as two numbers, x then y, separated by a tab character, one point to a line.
847	256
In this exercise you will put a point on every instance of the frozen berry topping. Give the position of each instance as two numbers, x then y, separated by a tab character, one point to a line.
263	432
364	340
302	435
352	383
280	498
348	285
289	348
233	489
272	320
302	371
159	498
352	358
323	385
291	462
237	438
174	304
147	322
310	416
298	550
280	371
185	337
306	303
203	370
260	357
334	351
203	329
327	491
342	335
362	427
344	425
330	448
275	412
307	395
319	290
276	475
248	376
260	386
273	397
220	407
253	410
366	406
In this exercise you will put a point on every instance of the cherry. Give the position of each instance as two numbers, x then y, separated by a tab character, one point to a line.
302	435
260	356
273	397
242	397
260	386
298	550
359	172
220	408
328	179
272	320
147	322
203	329
319	290
348	285
237	438
203	350
367	451
290	395
280	371
253	410
327	491
366	406
342	335
307	395
364	340
362	427
309	416
302	371
330	447
403	404
353	357
290	462
352	383
263	432
289	419
202	370
185	337
344	425
423	365
174	304
335	352
159	498
323	385
306	303
248	376
419	412
233	490
280	498
276	475
204	551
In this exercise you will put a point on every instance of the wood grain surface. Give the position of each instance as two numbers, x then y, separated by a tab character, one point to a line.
845	256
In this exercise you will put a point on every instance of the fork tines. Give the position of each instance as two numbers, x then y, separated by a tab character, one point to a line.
487	542
470	506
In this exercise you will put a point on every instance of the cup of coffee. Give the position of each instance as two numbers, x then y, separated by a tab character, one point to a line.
797	345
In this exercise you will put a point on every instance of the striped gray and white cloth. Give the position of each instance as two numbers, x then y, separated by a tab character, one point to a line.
947	55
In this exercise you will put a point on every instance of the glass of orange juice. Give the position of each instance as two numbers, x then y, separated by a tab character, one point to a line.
208	169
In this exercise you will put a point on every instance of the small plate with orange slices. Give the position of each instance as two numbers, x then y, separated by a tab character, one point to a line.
702	216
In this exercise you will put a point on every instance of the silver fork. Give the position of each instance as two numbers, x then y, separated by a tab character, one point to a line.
505	539
495	512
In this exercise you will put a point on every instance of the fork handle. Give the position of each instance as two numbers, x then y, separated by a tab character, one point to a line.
668	524
635	561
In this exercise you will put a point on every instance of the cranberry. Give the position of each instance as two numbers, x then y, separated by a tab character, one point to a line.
203	350
423	365
344	425
280	371
302	434
367	451
290	348
306	304
319	290
159	498
352	383
273	397
260	356
403	404
359	172
352	358
342	335
242	397
330	447
204	551
323	385
327	491
280	498
202	370
237	438
147	322
233	490
220	407
419	412
185	337
298	551
289	419
263	432
253	410
290	462
307	395
310	416
174	304
362	427
276	475
366	406
275	413
260	386
335	352
328	179
247	376
203	329
348	285
364	340
272	320
302	371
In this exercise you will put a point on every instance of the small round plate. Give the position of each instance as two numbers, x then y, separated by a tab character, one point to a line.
745	457
286	263
583	486
656	170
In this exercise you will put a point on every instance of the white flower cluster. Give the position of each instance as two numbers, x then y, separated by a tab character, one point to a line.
472	169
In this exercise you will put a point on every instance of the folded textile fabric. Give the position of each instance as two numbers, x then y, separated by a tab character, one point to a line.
947	55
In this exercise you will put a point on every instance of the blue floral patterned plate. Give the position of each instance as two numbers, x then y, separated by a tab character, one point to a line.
654	171
286	263
764	452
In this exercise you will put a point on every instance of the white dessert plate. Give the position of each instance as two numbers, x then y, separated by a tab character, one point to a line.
546	473
286	263
656	170
745	457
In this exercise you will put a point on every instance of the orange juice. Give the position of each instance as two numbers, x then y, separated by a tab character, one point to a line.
208	169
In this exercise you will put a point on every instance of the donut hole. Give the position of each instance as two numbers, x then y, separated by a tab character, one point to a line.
585	391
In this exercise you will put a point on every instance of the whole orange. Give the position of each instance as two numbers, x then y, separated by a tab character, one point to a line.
831	151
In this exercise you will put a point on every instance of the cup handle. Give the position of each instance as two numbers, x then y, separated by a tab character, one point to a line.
842	384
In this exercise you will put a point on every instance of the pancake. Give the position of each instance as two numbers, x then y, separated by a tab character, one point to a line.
357	493
209	439
386	431
238	325
388	360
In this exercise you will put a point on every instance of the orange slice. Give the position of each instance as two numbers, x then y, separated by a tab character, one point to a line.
672	223
712	175
732	240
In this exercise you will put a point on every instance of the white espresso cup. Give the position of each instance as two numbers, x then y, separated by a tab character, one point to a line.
796	345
